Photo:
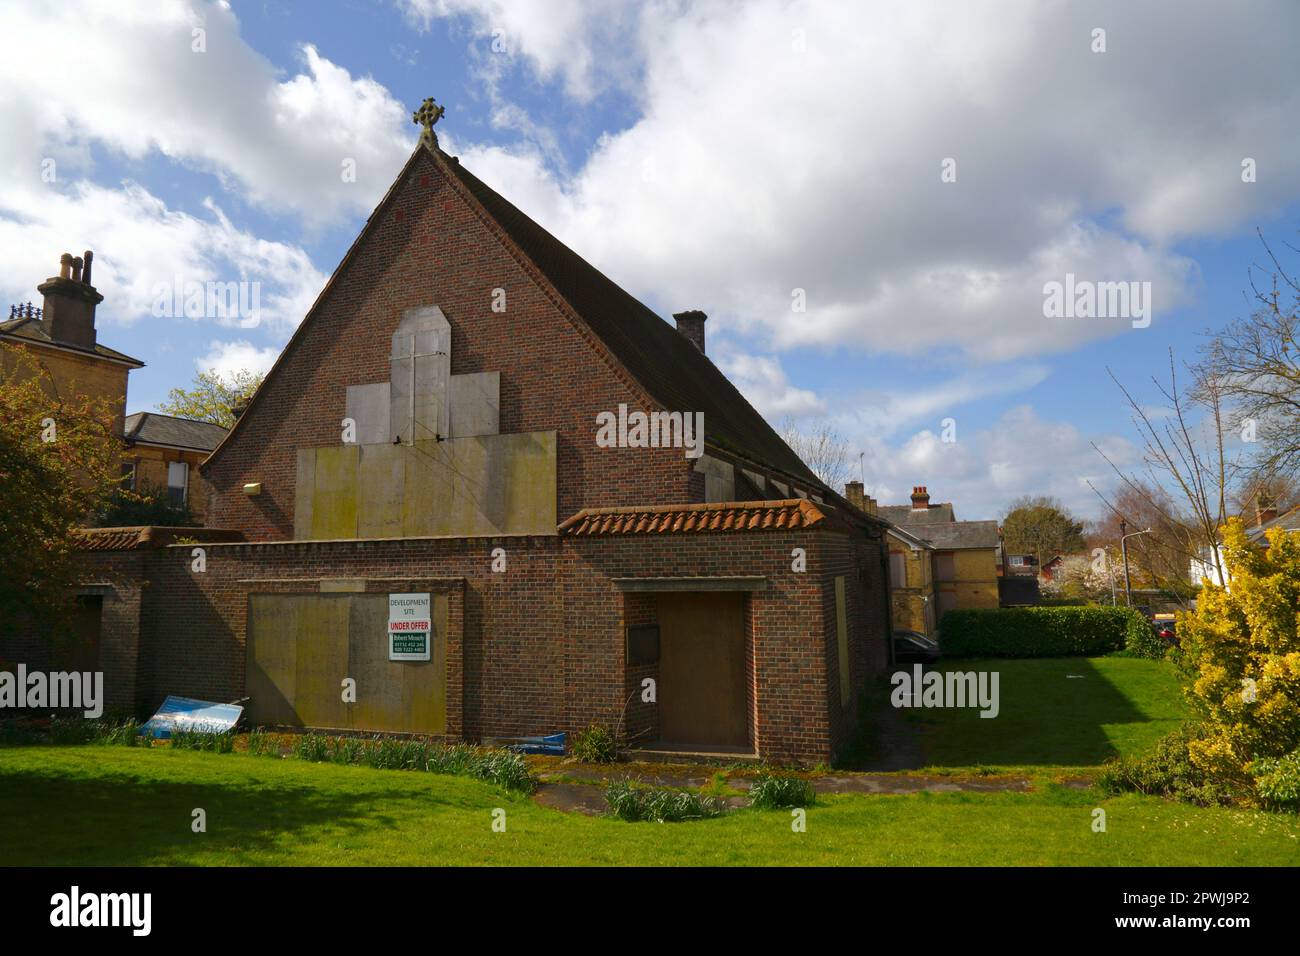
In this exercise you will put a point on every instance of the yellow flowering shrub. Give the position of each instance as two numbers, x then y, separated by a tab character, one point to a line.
1240	655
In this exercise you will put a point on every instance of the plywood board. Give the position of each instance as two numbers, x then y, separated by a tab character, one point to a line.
334	506
381	476
702	671
304	494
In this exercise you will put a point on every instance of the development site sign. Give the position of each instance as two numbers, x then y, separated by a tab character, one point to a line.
410	625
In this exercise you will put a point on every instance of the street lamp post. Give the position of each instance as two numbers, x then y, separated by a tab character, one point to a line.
1123	549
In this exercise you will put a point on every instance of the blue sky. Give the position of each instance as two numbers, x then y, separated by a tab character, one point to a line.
705	155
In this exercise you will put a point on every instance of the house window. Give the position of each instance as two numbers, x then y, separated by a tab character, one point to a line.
178	479
128	475
897	569
1017	561
945	566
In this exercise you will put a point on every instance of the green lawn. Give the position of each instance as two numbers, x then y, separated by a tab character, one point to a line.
116	805
1057	714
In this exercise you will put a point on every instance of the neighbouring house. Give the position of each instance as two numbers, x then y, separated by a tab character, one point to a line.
1267	518
59	337
913	591
505	498
1051	567
1021	564
966	556
165	451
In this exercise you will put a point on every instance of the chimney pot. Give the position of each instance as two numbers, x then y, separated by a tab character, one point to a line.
853	492
1265	508
86	258
68	309
691	325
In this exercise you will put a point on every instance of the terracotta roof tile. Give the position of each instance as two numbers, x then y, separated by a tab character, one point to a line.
683	519
144	536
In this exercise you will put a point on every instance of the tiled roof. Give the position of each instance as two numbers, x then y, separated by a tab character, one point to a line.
175	432
1287	521
144	536
959	535
682	519
907	516
34	330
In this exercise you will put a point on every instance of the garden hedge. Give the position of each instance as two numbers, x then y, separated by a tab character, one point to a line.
1045	632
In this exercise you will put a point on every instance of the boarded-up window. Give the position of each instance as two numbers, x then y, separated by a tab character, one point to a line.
945	568
898	569
842	637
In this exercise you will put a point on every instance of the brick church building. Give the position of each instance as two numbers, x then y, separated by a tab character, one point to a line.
476	436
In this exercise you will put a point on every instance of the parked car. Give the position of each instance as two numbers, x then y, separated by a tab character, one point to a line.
1164	628
913	647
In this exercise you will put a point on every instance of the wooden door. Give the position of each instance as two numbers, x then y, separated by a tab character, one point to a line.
702	670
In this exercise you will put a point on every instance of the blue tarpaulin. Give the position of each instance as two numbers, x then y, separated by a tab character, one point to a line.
548	744
185	713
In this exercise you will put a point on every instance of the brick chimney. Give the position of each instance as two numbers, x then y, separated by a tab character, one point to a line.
853	491
1265	508
691	325
70	300
920	499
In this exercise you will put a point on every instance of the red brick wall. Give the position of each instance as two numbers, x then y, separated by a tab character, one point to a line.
541	646
118	579
504	659
787	636
641	722
426	246
858	560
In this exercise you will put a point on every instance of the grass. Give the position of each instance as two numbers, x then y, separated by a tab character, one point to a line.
96	805
103	805
1057	714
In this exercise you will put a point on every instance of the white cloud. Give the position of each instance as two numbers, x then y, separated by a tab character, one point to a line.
763	381
225	358
141	244
126	77
587	44
759	166
984	470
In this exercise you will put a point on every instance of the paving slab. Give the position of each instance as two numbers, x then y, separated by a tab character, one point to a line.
888	783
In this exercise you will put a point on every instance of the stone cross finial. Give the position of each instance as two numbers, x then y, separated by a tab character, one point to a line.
427	115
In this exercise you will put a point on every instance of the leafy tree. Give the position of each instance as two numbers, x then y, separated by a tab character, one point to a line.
1241	661
1040	526
213	398
59	463
149	505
